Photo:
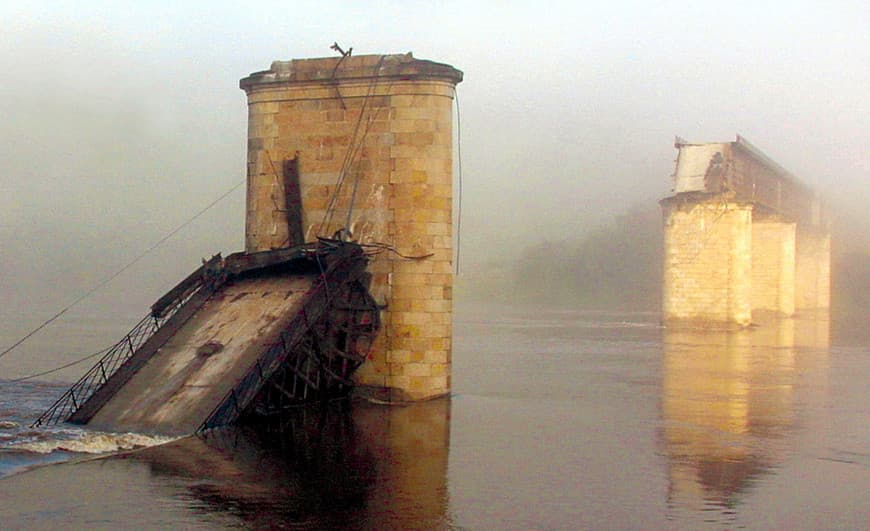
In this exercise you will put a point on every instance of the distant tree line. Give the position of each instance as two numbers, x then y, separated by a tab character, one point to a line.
617	265
850	284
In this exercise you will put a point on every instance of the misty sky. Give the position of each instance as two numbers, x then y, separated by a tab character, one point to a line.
121	120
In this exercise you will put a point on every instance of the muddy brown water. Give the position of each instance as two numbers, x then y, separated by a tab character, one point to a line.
559	420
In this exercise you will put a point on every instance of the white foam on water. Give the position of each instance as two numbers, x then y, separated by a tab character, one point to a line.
94	443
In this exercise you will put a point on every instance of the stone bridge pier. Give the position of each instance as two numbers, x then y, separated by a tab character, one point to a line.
361	146
743	239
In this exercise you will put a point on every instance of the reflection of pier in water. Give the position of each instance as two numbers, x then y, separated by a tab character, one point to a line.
341	465
728	405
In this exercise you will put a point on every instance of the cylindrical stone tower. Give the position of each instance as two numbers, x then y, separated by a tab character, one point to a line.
363	145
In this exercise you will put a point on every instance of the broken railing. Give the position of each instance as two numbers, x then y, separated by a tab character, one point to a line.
119	353
317	353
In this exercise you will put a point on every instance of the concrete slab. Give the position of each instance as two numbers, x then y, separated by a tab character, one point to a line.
189	376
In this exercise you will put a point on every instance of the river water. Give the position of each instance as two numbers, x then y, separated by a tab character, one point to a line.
558	420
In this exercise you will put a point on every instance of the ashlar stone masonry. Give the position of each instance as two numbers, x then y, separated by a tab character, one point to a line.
371	140
742	238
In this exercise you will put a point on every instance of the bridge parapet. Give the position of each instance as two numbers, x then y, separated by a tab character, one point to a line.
741	172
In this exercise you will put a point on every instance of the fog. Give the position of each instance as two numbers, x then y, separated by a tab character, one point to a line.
121	121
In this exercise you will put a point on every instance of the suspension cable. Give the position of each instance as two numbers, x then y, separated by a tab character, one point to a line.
116	274
56	369
354	147
371	120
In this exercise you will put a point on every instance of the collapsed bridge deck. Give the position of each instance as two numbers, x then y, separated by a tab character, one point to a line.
247	335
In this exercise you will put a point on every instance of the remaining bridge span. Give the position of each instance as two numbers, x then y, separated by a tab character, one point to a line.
742	172
243	336
742	236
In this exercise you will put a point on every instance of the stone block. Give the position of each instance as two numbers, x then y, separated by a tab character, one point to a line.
403	330
435	306
439	357
413	266
438	384
398	356
440	369
434	330
411	279
411	343
399	382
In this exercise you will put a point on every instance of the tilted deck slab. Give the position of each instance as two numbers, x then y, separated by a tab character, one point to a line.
189	376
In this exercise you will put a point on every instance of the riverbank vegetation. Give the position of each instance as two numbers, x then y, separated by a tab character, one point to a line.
618	265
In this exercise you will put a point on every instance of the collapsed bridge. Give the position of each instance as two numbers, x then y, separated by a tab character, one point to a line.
358	147
240	337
